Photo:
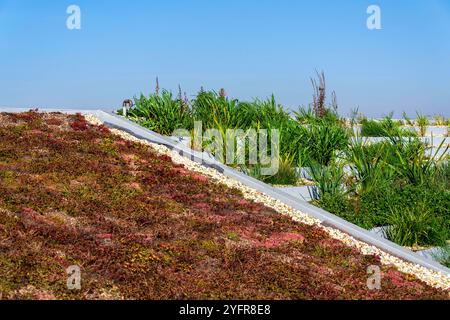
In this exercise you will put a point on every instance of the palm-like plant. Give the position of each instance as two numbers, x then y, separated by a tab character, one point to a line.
407	119
162	113
286	174
385	127
412	161
305	115
415	226
422	121
439	120
367	166
323	141
328	179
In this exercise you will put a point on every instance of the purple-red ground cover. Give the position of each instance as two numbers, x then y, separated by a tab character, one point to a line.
142	227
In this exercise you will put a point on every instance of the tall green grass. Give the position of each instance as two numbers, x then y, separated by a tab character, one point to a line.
367	163
383	128
412	162
162	113
329	179
415	226
395	182
422	121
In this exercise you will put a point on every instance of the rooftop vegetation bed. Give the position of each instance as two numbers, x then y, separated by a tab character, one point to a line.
400	180
142	227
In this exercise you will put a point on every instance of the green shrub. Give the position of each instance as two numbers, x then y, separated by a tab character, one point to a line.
323	141
443	174
305	115
379	201
366	163
412	162
328	179
346	208
217	111
420	214
383	128
374	203
443	255
415	226
372	128
286	174
266	114
161	113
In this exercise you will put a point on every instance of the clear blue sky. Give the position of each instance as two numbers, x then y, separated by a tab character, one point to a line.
252	48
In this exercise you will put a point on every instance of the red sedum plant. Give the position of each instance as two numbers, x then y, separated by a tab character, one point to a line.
142	227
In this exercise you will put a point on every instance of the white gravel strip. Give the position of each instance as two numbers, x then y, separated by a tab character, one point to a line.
431	277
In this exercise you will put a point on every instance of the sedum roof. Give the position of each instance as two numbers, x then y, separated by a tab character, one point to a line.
142	227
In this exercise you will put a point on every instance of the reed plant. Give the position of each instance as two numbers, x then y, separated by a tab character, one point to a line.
162	113
415	226
366	163
422	122
324	141
412	161
329	179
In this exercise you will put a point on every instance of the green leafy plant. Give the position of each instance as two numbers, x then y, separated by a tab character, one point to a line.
215	110
415	226
443	255
400	194
422	121
162	113
266	113
439	120
412	161
345	207
383	128
324	141
328	179
367	166
407	119
372	128
305	115
286	174
443	174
